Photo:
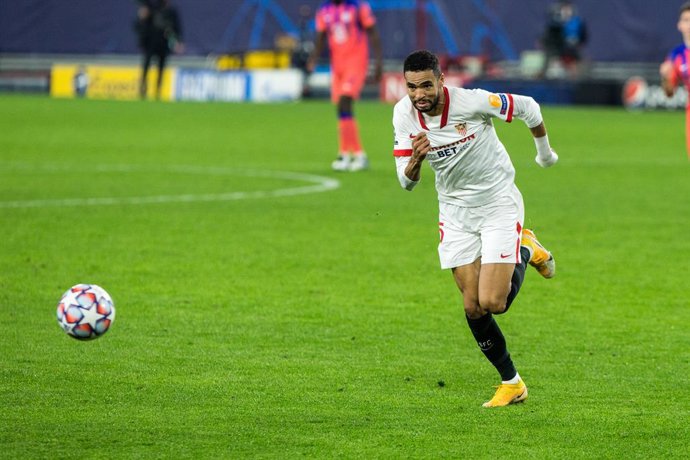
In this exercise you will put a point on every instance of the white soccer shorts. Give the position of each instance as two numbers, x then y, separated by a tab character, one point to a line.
491	232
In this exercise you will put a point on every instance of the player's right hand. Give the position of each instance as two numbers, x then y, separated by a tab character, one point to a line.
420	146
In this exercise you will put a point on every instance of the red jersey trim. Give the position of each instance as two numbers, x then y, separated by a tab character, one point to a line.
446	108
517	249
421	120
444	115
509	118
402	153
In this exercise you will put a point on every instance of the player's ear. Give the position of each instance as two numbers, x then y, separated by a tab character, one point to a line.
441	79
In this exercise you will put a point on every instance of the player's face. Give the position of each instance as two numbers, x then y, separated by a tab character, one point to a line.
424	89
684	25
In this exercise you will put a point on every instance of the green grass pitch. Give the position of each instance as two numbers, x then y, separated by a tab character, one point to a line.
273	324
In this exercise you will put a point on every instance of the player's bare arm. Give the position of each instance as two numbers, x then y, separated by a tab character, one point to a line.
546	156
527	110
539	130
666	72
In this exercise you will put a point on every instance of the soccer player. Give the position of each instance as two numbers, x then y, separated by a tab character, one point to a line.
349	26
675	69
481	211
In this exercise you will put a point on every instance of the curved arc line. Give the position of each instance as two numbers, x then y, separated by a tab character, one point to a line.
318	184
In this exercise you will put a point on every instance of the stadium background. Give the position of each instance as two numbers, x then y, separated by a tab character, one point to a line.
621	30
626	39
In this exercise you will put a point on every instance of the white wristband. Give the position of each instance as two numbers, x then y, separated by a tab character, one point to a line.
543	147
407	183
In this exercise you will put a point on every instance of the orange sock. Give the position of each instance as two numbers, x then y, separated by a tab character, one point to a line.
342	138
349	135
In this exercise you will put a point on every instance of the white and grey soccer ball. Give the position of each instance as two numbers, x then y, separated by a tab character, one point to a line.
85	311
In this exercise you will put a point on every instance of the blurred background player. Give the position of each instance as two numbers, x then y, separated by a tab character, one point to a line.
564	37
675	69
304	46
159	32
349	26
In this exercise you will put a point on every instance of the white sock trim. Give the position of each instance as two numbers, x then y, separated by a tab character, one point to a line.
512	381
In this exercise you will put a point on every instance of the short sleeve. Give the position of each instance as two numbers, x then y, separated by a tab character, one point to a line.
402	136
319	23
497	105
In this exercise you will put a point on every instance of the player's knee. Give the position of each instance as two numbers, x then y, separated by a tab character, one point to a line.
473	310
493	304
345	106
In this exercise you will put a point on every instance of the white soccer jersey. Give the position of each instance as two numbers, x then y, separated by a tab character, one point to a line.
471	164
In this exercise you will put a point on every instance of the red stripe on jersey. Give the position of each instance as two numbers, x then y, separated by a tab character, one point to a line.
421	120
402	153
519	232
509	118
444	117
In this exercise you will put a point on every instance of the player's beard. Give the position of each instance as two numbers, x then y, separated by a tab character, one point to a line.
432	105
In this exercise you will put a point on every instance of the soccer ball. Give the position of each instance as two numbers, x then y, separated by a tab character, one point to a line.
85	311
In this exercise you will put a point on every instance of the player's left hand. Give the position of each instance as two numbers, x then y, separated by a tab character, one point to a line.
546	162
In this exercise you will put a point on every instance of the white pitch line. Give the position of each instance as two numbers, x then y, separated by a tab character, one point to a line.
319	184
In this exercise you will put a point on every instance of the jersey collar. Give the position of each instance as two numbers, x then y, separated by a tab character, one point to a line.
444	115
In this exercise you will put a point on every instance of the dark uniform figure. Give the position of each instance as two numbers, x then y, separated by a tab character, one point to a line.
564	37
159	32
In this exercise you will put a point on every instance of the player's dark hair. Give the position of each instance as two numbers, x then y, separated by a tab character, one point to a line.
684	7
422	60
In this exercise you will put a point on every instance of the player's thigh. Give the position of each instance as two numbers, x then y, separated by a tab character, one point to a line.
348	81
467	279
